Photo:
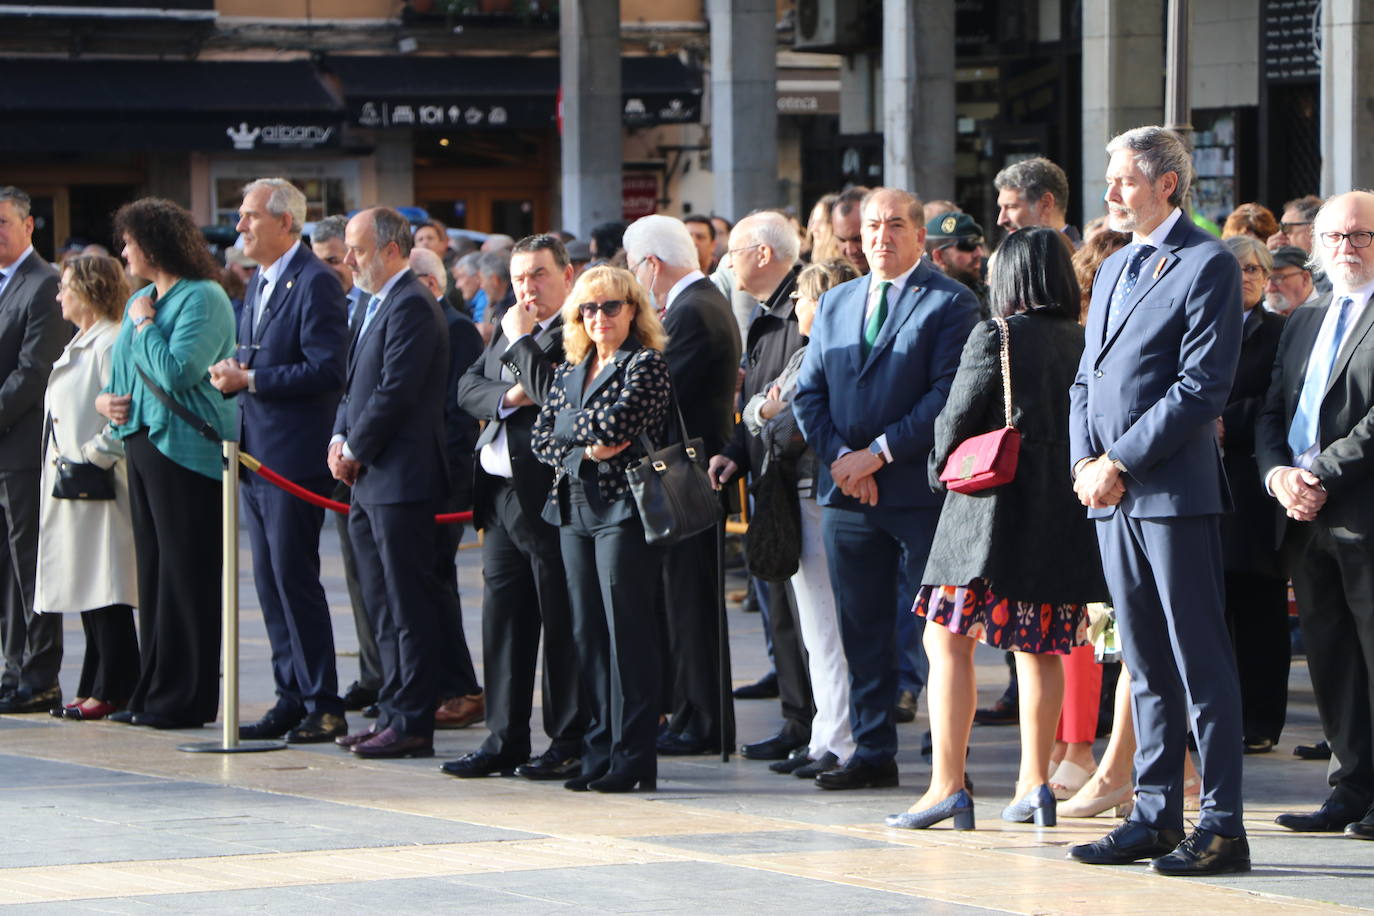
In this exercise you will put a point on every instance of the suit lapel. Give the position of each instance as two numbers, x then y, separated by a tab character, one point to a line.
276	303
1352	340
12	289
1155	268
606	375
900	309
577	382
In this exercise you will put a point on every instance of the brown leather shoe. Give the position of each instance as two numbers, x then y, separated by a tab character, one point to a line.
348	741
460	712
392	743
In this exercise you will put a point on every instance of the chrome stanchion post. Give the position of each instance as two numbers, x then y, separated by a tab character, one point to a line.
229	593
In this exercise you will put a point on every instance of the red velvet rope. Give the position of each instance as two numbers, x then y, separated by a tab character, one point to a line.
315	499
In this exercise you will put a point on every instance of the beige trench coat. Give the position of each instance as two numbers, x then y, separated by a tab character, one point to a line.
85	547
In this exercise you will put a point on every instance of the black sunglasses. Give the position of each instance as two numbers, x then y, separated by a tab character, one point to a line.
968	246
610	308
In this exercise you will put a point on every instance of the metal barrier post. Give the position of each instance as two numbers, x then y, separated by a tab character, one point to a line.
230	597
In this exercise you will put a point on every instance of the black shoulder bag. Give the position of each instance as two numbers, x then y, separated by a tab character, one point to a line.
671	489
77	479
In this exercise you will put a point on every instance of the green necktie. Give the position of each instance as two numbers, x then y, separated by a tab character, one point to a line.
875	321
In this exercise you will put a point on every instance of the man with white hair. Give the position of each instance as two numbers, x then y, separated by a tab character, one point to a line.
1313	436
703	356
288	377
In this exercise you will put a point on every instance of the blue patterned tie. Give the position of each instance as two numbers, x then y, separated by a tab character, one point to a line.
367	315
1126	284
1302	434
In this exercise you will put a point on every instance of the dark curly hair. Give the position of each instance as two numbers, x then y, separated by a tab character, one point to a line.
169	237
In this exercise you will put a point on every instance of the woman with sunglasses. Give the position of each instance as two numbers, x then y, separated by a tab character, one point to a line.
613	390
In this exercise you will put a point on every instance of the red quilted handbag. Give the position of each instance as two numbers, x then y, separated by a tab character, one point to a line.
989	459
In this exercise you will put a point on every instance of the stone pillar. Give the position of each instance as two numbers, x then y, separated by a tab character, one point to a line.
744	106
395	161
1123	82
589	49
1347	113
918	96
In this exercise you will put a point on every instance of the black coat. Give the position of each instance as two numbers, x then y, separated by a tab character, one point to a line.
774	335
1029	538
1247	535
703	356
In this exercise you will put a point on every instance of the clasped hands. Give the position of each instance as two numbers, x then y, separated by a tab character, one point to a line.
228	376
1300	492
1098	483
343	468
853	474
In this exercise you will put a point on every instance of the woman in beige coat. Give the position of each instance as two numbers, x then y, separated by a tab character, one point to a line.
86	546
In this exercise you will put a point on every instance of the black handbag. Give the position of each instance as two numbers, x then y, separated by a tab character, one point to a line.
670	487
78	479
772	549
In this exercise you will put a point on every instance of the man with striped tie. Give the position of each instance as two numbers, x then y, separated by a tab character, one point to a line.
1314	437
1161	347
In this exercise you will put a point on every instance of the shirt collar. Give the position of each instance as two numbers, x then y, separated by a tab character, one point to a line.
898	282
1156	239
680	285
385	291
272	272
1358	297
14	268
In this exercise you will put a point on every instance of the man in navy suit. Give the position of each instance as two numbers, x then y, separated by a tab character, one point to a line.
287	377
884	349
1162	343
389	447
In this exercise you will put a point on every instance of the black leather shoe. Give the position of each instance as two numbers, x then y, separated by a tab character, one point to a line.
624	782
552	764
480	763
358	697
390	744
823	764
859	775
123	717
1319	751
1363	829
1130	842
901	715
672	745
774	748
1205	853
1331	817
317	728
581	782
154	720
275	723
24	700
765	688
1004	712
795	761
1258	745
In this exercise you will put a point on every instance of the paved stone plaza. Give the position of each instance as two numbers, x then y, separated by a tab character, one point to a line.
113	819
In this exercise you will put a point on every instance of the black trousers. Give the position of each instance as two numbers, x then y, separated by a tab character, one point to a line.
789	661
457	678
1334	584
526	592
32	642
613	583
109	671
1257	618
691	604
369	656
178	545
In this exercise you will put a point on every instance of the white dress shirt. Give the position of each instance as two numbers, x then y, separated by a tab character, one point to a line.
8	272
495	455
271	274
681	285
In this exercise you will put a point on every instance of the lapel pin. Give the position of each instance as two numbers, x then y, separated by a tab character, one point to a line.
288	283
1159	269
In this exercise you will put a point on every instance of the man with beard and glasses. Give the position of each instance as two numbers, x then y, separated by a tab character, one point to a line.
954	243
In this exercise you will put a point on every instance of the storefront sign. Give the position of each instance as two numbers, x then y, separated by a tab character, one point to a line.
516	112
246	136
1292	40
639	194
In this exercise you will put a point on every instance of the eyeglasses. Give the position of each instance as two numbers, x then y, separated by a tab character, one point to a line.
610	308
1360	238
1251	269
1289	227
968	246
741	248
1286	275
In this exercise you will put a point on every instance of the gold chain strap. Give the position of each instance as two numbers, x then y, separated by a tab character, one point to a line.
1004	333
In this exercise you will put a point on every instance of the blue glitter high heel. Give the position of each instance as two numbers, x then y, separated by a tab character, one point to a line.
958	806
1038	806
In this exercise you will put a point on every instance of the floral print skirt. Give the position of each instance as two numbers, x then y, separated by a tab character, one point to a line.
976	611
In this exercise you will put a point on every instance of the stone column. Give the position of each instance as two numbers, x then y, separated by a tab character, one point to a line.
744	107
1347	113
589	50
1123	82
918	96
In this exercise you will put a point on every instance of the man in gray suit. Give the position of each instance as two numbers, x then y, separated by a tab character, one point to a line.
32	334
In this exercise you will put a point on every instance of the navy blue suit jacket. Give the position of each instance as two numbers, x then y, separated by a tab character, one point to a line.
1149	393
392	412
844	400
297	357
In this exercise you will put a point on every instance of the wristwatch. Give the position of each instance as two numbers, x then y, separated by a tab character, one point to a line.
138	322
876	448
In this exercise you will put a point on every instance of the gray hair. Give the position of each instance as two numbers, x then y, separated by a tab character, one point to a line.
1033	178
428	264
1243	246
470	263
495	264
1158	151
284	198
768	227
329	228
664	237
1316	262
21	201
391	226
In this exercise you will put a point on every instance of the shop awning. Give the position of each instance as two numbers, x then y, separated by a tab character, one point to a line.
482	92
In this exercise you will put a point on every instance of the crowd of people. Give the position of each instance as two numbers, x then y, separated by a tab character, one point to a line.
1189	417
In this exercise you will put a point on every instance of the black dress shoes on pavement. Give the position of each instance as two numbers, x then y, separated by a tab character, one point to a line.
123	717
1363	829
24	699
1130	842
795	761
390	743
1319	751
765	688
552	764
676	745
347	742
480	763
823	764
158	721
859	775
777	747
275	723
1205	853
357	697
1331	817
318	728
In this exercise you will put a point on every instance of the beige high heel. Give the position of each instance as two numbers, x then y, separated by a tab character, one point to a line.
1123	800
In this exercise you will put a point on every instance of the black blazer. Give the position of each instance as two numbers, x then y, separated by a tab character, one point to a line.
460	429
1247	542
392	412
703	355
298	355
774	335
630	397
480	390
1029	538
32	335
1345	431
